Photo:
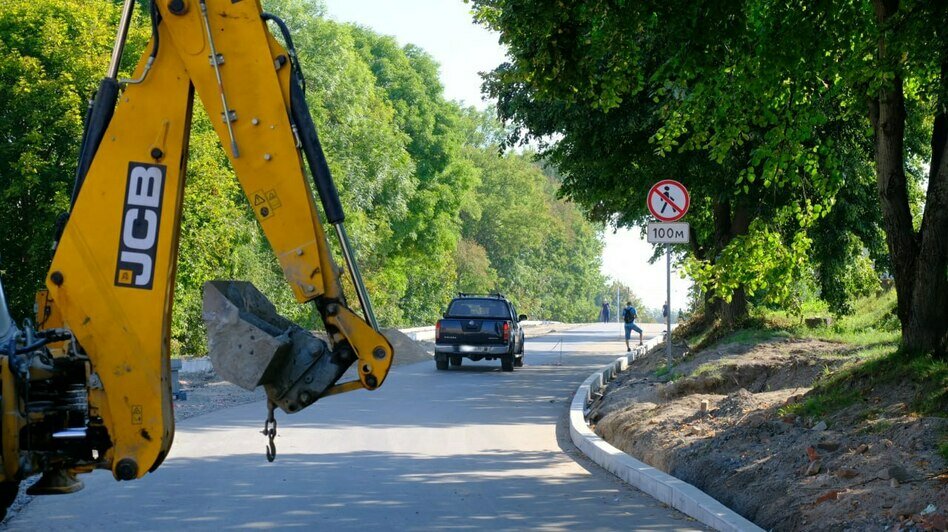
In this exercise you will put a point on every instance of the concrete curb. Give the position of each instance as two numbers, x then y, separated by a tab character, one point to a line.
195	365
662	486
420	333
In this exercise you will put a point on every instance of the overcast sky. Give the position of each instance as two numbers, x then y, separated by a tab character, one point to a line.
445	29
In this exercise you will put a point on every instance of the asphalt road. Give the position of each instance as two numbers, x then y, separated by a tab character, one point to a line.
469	448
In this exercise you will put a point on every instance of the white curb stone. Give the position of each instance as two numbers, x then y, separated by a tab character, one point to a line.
662	486
420	333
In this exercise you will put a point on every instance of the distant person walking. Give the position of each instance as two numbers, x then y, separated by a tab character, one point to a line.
629	316
604	315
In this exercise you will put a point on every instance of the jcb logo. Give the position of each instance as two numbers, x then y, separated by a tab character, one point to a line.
138	241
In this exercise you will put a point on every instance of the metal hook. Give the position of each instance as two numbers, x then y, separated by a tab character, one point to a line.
271	451
270	431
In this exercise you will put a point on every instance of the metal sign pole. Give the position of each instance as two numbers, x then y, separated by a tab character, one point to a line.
664	194
668	313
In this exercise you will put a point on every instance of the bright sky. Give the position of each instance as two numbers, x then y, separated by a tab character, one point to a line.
445	29
626	258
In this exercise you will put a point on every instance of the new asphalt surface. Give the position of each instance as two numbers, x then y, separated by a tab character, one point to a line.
470	448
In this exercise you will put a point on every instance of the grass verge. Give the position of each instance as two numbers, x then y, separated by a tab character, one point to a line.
871	339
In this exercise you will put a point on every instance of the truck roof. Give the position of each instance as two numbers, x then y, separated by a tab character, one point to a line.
486	296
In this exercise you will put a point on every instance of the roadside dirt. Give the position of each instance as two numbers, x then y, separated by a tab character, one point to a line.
714	422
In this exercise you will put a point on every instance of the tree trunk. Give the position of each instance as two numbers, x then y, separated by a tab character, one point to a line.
919	260
927	329
734	311
728	224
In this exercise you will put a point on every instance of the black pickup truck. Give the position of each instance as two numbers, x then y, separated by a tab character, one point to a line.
479	327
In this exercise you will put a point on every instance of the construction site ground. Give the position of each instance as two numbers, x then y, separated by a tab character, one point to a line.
723	419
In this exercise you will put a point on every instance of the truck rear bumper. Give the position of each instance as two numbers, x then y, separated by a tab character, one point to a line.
463	349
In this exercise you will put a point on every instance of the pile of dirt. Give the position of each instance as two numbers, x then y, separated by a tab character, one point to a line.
407	351
714	421
205	392
777	365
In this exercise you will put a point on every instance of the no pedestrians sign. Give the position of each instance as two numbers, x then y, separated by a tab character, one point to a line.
668	200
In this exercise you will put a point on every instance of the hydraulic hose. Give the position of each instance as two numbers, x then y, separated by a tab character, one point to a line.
306	129
103	105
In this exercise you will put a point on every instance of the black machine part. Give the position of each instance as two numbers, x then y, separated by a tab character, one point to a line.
251	345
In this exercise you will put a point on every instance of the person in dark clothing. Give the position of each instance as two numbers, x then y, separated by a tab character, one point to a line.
604	315
629	316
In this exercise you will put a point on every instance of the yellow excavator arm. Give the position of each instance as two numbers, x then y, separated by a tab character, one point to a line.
102	344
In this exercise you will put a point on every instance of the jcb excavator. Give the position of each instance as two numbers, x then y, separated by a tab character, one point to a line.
88	386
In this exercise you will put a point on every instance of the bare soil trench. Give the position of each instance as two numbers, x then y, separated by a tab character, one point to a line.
871	466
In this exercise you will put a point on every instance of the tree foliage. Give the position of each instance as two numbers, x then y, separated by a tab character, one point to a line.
431	208
616	113
770	109
51	57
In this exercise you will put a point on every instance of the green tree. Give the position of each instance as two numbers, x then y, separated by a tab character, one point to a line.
366	149
849	244
625	295
426	240
773	90
546	256
610	151
412	171
475	274
52	55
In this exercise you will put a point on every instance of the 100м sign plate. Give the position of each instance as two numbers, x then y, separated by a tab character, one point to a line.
667	233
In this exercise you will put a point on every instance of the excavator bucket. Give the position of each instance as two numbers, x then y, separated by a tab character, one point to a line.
251	345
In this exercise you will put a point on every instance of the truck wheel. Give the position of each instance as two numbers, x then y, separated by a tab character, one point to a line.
455	361
441	363
518	361
507	363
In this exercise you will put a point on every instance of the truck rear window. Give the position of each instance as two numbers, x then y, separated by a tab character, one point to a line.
479	308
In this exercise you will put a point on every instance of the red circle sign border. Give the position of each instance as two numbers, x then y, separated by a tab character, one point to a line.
654	190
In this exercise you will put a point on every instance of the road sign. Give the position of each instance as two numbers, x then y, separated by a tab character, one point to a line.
668	233
668	200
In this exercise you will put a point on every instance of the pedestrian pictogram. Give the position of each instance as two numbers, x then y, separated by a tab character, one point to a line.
668	200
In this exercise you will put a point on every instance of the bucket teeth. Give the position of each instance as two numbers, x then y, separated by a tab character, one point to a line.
245	335
251	345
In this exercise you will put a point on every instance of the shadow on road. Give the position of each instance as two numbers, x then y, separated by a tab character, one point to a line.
453	455
529	395
395	491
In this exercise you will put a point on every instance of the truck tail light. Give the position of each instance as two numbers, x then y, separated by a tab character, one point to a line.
506	331
438	330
